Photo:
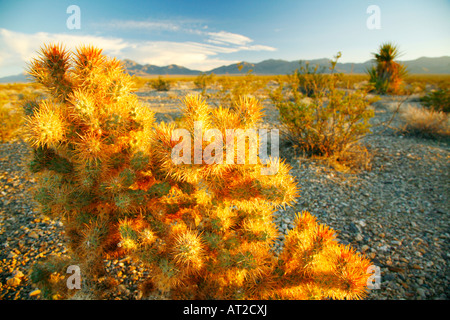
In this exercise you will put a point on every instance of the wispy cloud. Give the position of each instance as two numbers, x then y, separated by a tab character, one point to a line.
226	38
17	48
138	25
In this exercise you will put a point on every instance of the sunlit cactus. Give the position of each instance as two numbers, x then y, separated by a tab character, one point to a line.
202	227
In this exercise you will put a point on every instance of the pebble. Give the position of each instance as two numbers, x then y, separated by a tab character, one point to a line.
35	293
13	281
33	235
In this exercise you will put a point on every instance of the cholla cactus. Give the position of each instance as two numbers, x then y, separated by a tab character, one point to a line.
204	230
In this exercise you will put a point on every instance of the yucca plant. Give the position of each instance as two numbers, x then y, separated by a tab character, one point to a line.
387	75
204	230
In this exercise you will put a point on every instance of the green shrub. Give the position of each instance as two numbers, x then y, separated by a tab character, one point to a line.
203	81
160	84
438	100
311	80
330	121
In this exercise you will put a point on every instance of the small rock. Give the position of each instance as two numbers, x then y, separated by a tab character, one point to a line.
17	274
13	281
33	235
421	292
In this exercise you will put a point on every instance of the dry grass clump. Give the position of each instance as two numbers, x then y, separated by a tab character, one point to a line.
425	122
10	120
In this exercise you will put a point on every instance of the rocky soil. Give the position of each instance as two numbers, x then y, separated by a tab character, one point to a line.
396	212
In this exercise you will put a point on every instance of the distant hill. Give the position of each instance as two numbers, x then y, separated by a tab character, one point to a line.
18	78
423	65
429	65
134	68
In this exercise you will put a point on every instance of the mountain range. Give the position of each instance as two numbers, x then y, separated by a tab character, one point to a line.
423	65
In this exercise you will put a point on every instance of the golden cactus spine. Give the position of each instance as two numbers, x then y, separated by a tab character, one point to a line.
204	230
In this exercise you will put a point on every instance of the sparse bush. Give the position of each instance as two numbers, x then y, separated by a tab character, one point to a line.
426	122
438	100
387	75
310	80
202	231
328	124
160	84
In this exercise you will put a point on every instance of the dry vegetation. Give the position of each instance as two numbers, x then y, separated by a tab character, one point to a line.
426	122
222	90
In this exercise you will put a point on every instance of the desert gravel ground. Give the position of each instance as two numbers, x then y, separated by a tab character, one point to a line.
397	213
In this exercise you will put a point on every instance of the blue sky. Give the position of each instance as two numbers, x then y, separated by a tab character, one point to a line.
206	34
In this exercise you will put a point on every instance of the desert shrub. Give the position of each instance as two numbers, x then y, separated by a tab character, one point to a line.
329	123
202	229
425	122
438	100
387	75
311	80
203	81
160	84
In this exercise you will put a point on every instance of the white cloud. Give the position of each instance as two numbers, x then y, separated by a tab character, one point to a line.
18	48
